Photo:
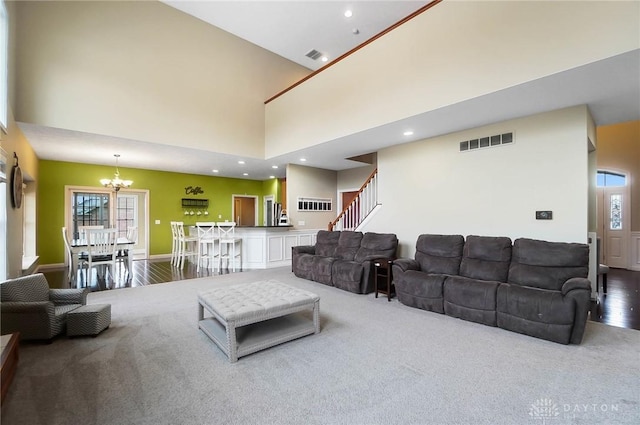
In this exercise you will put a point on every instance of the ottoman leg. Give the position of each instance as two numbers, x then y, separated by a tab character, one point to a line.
231	342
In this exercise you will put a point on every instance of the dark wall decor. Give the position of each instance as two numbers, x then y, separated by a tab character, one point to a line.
190	190
16	184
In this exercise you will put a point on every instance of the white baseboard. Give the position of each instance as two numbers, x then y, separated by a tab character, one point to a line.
50	267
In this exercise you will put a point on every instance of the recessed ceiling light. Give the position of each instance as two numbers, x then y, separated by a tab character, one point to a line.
303	159
324	59
245	174
408	133
240	162
215	171
272	177
274	166
348	13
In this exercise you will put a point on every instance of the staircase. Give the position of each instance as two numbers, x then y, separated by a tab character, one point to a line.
356	212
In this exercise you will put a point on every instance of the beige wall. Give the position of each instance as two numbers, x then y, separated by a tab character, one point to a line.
619	150
418	70
145	71
14	142
430	186
310	182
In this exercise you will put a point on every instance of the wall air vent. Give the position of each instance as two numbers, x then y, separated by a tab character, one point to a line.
486	142
313	54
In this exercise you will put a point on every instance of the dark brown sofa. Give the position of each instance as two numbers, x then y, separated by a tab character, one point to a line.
533	287
343	259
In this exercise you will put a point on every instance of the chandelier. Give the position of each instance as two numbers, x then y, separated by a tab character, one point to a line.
116	182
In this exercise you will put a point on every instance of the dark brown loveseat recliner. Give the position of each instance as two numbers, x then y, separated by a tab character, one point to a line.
344	259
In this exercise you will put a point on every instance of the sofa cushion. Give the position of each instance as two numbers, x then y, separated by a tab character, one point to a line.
440	254
321	269
348	245
536	312
421	290
303	265
377	245
471	299
486	258
327	242
347	275
547	265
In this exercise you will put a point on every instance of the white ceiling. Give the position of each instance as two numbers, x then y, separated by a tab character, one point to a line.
610	87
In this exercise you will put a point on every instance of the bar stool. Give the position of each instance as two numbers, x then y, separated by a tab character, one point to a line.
186	245
228	239
174	244
206	242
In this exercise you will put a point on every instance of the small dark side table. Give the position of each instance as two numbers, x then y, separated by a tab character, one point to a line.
383	278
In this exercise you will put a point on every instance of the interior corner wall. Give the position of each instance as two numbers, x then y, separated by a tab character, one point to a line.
430	186
145	71
315	183
618	149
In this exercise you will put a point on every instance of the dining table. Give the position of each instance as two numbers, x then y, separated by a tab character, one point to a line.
79	246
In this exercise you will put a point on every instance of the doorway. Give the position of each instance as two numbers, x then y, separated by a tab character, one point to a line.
613	218
245	210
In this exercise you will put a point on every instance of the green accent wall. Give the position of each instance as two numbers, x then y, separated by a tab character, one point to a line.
166	190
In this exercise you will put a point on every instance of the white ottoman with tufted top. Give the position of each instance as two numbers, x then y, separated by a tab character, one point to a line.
250	317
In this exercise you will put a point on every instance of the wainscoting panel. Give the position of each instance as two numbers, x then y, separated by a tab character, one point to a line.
634	261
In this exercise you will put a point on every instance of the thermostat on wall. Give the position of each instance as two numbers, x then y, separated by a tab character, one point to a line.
544	215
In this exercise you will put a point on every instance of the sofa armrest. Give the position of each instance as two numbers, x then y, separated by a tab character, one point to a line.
304	249
68	296
19	307
406	264
576	283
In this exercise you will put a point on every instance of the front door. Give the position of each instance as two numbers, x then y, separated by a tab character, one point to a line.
613	224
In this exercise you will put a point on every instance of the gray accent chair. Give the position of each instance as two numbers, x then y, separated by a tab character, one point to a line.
29	306
344	259
533	287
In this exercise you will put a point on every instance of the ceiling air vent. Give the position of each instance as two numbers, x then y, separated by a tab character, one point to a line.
486	142
313	54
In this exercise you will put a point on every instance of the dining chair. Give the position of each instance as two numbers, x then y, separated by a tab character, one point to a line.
82	231
82	259
207	240
102	247
228	239
186	245
124	253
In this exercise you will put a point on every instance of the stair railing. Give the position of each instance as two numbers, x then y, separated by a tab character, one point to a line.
360	207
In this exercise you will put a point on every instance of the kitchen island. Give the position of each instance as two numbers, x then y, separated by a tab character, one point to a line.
265	247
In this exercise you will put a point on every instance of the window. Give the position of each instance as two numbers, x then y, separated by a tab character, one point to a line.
607	179
126	213
4	65
616	212
89	209
3	215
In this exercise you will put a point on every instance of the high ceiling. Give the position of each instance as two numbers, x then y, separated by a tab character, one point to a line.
291	29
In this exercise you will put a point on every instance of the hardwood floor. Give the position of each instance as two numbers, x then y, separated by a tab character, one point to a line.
620	306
